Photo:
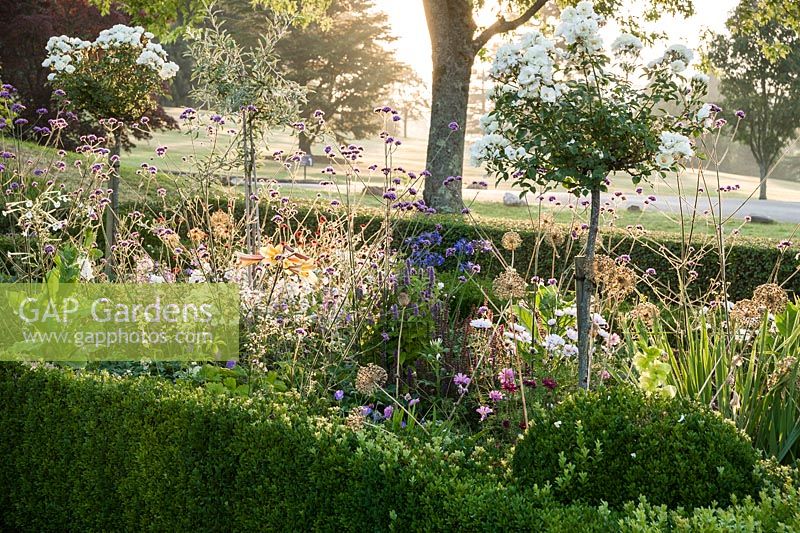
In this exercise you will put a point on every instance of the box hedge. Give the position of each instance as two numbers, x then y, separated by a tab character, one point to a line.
93	452
751	262
615	444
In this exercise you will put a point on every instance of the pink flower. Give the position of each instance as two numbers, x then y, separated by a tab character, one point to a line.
484	411
495	395
506	375
461	379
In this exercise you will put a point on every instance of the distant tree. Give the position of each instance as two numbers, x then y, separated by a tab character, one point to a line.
346	66
411	97
456	39
765	86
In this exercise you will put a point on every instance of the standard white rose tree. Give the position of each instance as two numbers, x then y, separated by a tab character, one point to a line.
117	77
573	115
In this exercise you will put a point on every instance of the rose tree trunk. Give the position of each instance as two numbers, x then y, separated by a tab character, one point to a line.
584	288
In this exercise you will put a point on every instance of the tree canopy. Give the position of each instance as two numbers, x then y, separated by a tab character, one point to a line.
345	65
169	18
765	86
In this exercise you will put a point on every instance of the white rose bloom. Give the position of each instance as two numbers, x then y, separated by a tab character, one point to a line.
626	43
681	51
704	112
677	66
664	160
548	94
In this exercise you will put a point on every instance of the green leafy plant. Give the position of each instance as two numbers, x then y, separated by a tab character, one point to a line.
751	378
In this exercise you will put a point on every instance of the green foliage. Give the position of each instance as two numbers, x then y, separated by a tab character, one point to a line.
757	260
755	14
94	452
228	76
614	445
653	372
751	377
170	18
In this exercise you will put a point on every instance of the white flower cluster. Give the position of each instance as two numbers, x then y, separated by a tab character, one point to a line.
677	56
673	148
518	333
120	35
532	56
488	147
64	52
580	25
155	57
627	44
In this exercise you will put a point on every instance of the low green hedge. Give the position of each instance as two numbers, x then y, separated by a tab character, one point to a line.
613	445
751	262
98	453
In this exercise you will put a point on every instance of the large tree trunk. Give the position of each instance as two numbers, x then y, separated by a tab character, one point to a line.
305	143
451	29
762	171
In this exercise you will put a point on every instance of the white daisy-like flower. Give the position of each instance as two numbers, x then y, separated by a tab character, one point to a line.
481	323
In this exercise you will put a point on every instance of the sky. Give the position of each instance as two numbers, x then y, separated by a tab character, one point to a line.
413	46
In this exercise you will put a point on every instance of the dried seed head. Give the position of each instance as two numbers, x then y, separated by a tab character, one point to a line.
771	296
782	368
747	313
197	235
646	312
404	299
370	378
511	240
617	280
509	285
355	419
221	224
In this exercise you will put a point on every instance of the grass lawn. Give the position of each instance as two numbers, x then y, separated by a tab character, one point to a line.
186	153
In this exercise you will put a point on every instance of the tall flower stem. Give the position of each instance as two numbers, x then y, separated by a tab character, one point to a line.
113	208
584	287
